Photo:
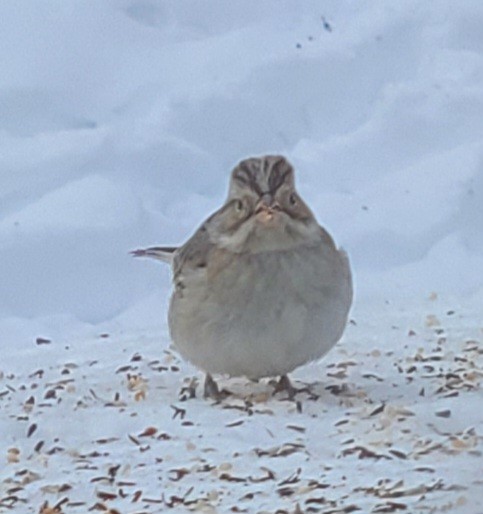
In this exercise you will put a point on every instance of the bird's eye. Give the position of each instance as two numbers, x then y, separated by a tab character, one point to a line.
239	206
292	199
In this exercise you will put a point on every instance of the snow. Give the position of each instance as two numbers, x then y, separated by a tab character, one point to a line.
119	124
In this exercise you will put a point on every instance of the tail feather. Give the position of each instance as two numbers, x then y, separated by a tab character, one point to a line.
160	253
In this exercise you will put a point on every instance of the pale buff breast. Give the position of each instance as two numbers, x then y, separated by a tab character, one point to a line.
261	314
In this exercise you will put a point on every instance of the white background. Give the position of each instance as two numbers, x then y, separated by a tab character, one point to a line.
120	122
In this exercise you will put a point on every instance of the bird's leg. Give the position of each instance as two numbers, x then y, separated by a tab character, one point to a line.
211	389
284	384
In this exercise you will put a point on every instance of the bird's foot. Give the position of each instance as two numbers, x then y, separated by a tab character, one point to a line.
284	385
211	389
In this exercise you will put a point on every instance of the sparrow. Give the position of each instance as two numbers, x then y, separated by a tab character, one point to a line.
260	288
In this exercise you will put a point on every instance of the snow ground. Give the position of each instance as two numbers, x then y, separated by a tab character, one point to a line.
391	423
119	123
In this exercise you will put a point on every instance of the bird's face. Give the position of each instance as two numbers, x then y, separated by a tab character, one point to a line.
263	210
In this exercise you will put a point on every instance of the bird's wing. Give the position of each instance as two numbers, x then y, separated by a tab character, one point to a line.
191	256
194	253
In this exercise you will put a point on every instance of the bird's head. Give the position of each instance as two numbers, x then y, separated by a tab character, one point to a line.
263	210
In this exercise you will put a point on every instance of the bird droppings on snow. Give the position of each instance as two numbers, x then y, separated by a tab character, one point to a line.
131	434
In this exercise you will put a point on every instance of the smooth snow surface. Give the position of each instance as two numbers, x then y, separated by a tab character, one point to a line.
120	122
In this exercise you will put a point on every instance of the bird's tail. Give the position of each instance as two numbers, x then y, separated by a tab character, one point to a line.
160	253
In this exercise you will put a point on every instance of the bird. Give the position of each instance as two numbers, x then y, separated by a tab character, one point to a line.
260	288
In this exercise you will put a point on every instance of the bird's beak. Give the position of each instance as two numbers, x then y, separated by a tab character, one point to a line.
267	209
